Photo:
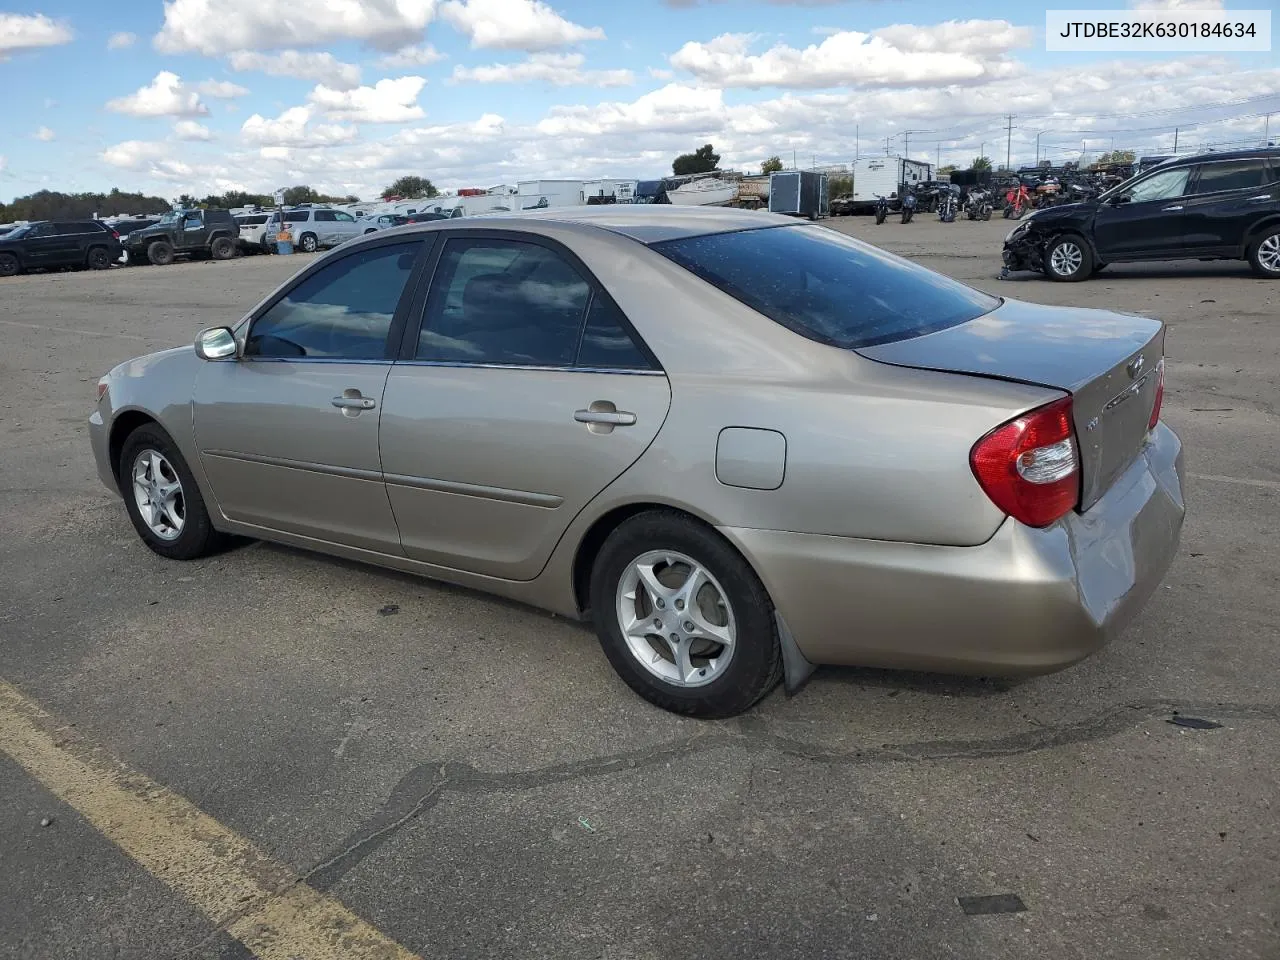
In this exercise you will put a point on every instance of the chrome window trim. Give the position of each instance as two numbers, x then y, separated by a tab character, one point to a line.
528	366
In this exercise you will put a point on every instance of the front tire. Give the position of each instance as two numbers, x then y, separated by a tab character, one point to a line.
308	243
683	618
9	265
160	253
162	498
1264	254
1068	260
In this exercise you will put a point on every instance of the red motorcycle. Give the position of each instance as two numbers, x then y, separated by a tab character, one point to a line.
1016	203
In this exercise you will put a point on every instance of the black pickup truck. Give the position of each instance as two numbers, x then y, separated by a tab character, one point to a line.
194	233
1216	206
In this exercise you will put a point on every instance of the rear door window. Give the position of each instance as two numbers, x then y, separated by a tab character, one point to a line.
1232	175
298	216
325	216
827	286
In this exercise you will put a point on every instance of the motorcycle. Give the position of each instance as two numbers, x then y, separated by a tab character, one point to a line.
978	205
908	207
947	207
882	208
1016	203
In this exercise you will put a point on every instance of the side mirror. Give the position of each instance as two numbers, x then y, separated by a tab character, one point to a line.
217	343
1120	198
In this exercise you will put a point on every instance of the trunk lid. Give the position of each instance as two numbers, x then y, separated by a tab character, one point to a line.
1107	361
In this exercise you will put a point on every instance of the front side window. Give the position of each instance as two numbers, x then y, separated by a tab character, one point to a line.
503	302
827	286
1232	175
343	311
1164	185
40	230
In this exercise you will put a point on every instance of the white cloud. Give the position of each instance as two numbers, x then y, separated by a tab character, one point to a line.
22	32
4	163
387	101
661	73
121	41
223	26
529	25
44	134
293	128
220	89
558	69
133	154
318	67
674	108
422	56
968	51
165	96
190	130
1177	4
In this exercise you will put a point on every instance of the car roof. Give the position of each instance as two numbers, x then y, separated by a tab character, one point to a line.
648	223
1257	153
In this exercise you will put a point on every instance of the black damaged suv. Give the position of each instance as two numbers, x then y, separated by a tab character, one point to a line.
1217	206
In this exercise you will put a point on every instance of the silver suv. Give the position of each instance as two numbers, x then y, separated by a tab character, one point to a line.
314	227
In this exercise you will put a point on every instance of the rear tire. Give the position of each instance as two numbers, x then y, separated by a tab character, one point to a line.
222	248
180	529
307	243
1264	254
731	601
98	259
9	265
160	253
1067	259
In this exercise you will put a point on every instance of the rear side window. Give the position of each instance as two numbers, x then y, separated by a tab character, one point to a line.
342	311
1232	175
325	216
254	220
76	226
299	216
826	286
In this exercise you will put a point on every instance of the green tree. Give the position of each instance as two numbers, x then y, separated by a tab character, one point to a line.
411	187
772	165
1117	156
980	163
839	186
52	205
702	160
946	170
186	200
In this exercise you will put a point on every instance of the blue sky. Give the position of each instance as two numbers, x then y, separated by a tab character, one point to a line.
207	95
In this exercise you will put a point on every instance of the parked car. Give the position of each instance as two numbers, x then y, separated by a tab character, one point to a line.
194	233
740	444
253	232
430	216
315	227
380	221
126	227
1217	206
47	244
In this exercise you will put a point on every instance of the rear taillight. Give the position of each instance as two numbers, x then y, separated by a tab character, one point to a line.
1030	467
102	388
1155	409
115	234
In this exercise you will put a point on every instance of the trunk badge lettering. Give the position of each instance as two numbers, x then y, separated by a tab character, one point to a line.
1092	424
1135	367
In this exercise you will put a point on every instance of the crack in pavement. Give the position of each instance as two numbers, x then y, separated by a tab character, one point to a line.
422	787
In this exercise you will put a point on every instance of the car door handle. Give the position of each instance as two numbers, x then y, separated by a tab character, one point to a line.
1176	207
614	418
354	403
1261	199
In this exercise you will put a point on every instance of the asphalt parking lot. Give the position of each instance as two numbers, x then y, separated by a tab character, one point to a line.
366	759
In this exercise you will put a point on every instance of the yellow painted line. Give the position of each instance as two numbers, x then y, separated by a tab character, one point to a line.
242	890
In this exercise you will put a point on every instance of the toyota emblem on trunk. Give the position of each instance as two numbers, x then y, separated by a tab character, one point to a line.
1135	367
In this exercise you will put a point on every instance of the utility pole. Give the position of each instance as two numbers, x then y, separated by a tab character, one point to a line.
1038	148
857	141
938	159
1008	144
794	166
906	144
1175	139
1266	132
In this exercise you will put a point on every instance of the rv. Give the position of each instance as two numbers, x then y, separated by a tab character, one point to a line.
883	177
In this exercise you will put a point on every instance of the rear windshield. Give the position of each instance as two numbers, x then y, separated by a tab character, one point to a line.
253	219
826	286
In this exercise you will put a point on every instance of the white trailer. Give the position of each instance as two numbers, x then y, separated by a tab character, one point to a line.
558	193
883	176
623	191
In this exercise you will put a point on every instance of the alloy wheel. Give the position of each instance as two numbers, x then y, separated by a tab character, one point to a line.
1066	259
675	618
157	491
1269	253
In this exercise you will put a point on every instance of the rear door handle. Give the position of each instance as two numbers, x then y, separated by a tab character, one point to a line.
1178	207
614	418
354	403
1261	199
